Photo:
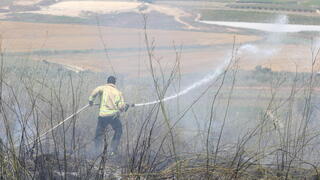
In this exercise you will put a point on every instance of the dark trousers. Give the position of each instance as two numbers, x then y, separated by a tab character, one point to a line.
102	125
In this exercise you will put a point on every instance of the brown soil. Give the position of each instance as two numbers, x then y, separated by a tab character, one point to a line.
19	36
28	37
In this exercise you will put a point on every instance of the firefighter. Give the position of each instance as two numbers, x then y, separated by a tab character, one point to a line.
111	105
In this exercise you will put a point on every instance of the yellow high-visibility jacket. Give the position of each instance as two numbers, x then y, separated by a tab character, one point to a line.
111	99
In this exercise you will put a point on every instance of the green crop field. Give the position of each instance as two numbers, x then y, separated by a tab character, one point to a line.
301	3
255	16
312	3
267	1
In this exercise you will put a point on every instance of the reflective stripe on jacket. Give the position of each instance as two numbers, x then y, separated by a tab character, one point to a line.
111	99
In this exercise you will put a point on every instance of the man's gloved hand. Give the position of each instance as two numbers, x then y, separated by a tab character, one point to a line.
126	107
91	103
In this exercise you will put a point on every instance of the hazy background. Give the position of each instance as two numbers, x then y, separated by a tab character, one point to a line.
242	77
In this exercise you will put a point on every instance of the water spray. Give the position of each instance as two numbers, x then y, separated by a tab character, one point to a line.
244	49
201	82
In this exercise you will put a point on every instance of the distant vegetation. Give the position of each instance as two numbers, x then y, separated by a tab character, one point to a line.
267	1
298	2
254	16
312	3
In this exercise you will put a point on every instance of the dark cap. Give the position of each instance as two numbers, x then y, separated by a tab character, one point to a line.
111	79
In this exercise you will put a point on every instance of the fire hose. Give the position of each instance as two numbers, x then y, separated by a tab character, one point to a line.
62	122
59	124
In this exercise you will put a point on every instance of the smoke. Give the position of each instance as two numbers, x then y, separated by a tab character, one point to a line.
197	84
282	19
250	49
246	49
317	43
279	30
271	38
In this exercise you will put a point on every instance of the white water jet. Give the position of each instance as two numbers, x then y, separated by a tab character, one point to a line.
246	49
201	82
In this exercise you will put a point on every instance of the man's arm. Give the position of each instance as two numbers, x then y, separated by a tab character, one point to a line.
93	95
122	106
120	101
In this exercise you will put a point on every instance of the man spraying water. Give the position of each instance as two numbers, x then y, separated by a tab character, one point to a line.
111	105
